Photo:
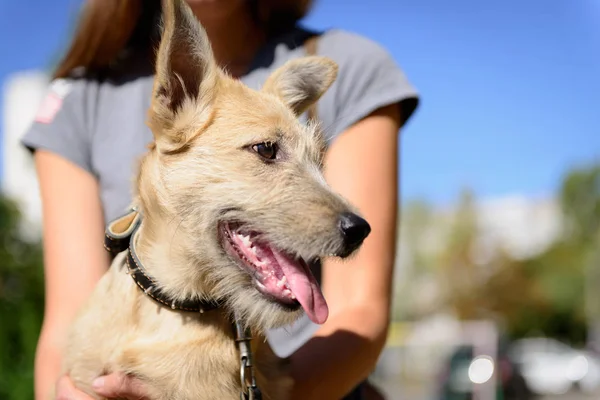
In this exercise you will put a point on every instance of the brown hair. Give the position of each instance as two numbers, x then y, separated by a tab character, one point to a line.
112	30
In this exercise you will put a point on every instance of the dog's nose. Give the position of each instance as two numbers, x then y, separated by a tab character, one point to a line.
354	230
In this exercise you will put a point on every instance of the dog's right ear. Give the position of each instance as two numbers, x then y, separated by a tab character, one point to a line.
301	82
186	78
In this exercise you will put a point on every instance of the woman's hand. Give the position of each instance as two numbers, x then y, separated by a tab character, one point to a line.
111	386
65	390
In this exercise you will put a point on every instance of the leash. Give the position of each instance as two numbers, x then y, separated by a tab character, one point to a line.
119	236
242	337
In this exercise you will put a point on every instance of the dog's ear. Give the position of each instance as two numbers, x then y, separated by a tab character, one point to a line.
186	77
301	82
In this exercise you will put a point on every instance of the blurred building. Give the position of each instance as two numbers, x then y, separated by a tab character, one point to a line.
523	226
22	94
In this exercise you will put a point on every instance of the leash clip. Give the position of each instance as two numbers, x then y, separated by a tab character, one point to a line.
250	390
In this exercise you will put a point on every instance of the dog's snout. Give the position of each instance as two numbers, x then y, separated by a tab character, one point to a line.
354	231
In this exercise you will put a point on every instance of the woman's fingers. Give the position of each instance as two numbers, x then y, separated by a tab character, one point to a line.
65	390
119	385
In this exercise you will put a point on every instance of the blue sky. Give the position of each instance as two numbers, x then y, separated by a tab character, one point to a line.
508	88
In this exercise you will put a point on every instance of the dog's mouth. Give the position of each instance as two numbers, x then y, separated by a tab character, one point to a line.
277	274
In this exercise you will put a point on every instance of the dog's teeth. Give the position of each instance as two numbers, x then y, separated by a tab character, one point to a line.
246	240
287	292
281	282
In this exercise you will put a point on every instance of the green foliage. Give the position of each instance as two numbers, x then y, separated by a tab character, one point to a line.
551	287
580	202
21	305
554	293
543	295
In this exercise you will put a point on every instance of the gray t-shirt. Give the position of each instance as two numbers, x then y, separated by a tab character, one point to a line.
99	125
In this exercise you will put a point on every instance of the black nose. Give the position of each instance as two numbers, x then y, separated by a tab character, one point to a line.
354	230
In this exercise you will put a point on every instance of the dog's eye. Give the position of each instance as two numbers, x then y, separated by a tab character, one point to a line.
266	150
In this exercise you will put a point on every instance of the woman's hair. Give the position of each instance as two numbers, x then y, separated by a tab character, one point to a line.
111	30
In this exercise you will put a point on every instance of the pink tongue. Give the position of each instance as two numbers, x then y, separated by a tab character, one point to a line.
304	286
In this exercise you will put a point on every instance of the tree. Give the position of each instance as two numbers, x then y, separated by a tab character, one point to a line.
540	295
21	305
554	293
580	203
460	278
547	293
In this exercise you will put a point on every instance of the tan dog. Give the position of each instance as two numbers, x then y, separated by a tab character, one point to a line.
232	208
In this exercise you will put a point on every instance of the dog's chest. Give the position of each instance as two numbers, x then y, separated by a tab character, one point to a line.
192	353
198	355
180	356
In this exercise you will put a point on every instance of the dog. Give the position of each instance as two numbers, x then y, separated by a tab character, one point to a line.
230	209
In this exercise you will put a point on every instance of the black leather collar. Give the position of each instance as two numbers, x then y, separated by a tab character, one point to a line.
119	236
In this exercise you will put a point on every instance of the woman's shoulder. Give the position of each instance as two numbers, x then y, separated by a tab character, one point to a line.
343	46
350	46
369	77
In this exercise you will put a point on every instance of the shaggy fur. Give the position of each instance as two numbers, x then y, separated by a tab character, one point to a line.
202	170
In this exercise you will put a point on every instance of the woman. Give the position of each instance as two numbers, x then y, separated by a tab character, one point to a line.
90	131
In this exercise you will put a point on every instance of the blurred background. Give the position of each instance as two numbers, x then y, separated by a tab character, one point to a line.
498	269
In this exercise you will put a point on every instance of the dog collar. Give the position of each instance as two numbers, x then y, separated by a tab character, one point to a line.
119	236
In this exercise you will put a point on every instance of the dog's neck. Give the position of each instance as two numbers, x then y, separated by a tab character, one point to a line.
165	257
160	245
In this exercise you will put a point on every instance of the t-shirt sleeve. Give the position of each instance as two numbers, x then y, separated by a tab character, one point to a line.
61	123
368	79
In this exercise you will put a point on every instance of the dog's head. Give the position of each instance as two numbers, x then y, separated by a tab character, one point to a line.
240	177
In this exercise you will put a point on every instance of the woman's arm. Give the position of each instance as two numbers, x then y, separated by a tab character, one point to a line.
362	166
74	259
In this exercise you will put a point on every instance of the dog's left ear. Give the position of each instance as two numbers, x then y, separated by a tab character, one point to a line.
301	82
186	78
